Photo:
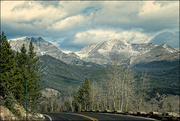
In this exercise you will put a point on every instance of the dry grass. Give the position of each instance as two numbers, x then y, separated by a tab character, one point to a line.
7	115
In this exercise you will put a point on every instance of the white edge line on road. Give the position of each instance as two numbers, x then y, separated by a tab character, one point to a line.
48	117
134	116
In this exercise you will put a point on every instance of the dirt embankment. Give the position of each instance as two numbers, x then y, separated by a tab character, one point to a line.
7	115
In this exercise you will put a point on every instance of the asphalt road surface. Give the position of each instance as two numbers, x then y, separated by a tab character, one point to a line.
90	116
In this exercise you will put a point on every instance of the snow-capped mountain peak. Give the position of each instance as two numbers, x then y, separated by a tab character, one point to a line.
43	47
21	38
67	51
116	41
164	45
100	53
36	38
168	48
103	53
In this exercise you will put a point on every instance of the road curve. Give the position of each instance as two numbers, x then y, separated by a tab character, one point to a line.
90	116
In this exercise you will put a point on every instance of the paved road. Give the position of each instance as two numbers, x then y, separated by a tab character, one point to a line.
90	116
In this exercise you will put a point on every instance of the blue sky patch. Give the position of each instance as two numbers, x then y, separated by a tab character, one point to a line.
89	10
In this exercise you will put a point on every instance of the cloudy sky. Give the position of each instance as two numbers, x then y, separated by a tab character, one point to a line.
72	25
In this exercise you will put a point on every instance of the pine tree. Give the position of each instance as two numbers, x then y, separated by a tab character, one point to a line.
18	77
29	66
83	95
15	70
7	66
23	57
8	81
3	39
22	62
33	68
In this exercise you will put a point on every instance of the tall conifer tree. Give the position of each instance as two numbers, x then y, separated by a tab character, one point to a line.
33	68
22	63
8	81
83	95
7	66
15	70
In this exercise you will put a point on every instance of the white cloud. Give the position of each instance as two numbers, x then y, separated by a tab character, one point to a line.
70	23
95	36
83	22
54	43
123	14
159	8
73	7
159	15
117	13
27	11
148	15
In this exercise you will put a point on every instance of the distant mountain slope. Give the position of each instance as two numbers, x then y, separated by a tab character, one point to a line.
100	54
103	53
58	75
40	46
169	38
43	47
159	53
163	75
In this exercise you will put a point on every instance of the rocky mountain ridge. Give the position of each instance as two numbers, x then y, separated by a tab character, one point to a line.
159	53
43	47
101	54
105	52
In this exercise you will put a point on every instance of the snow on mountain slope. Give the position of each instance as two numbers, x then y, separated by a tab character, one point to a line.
159	53
43	47
177	49
100	53
67	51
103	48
103	53
84	52
168	48
143	48
40	45
16	39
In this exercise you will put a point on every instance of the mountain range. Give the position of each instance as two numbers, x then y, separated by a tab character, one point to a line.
43	47
158	53
63	68
105	52
101	54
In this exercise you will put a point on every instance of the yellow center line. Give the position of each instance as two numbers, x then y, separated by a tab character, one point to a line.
93	119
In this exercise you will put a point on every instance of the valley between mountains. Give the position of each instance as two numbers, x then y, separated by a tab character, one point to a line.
62	68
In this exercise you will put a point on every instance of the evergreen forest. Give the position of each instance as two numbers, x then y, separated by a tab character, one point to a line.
19	78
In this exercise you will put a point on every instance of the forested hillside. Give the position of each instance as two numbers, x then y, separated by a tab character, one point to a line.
19	78
58	75
162	76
